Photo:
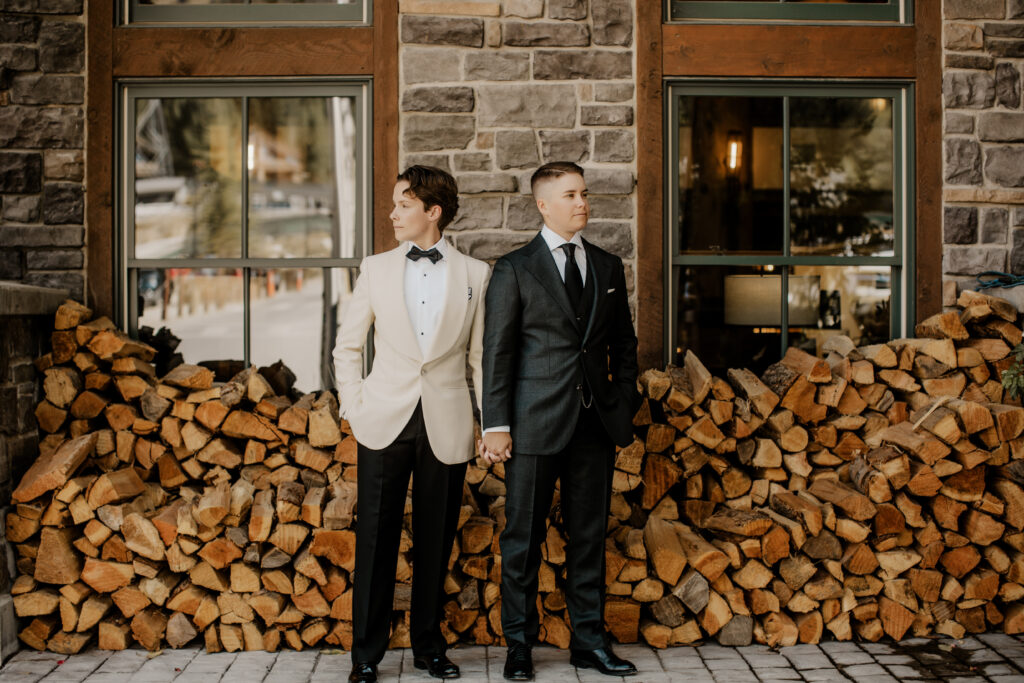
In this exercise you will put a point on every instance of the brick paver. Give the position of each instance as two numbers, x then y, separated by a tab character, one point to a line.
987	658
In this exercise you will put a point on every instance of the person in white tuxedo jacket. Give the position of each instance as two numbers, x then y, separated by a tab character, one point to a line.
412	414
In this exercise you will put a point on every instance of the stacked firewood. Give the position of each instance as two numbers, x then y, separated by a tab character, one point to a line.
878	491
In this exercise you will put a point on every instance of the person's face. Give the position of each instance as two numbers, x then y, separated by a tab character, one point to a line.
412	221
563	203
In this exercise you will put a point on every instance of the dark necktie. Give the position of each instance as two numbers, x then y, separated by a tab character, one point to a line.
573	279
415	254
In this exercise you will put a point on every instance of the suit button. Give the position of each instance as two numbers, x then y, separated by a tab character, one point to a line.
584	350
579	387
423	371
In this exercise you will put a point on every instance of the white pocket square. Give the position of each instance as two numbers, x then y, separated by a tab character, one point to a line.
611	290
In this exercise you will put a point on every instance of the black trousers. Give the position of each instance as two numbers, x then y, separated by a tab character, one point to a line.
383	481
584	469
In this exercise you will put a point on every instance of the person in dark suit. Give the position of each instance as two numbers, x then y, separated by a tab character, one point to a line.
560	391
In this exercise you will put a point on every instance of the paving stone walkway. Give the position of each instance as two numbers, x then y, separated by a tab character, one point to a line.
996	658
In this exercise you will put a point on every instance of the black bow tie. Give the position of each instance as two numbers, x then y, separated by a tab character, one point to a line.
415	254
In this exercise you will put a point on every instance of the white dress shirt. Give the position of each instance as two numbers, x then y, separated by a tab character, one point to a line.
555	242
424	294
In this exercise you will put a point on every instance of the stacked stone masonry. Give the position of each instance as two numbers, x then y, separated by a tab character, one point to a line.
491	89
42	131
983	215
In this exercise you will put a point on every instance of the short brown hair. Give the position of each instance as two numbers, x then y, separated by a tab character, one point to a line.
434	187
552	170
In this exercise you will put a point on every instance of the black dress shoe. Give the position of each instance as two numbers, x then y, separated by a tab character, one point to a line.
438	666
519	663
602	659
363	673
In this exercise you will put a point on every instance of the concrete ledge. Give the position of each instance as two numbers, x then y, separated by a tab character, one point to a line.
19	299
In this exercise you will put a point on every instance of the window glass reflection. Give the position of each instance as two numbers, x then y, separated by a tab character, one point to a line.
839	300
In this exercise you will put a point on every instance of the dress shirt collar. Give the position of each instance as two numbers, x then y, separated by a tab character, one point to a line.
554	240
441	246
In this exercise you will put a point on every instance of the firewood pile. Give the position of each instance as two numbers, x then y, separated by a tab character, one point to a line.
878	491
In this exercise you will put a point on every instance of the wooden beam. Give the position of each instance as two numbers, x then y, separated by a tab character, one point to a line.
99	160
385	121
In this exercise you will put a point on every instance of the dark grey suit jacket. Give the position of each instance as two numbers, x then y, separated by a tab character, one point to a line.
536	356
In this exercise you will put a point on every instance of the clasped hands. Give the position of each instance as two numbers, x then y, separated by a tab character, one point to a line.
495	447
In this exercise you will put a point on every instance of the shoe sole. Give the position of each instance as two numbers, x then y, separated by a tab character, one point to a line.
432	674
518	678
583	664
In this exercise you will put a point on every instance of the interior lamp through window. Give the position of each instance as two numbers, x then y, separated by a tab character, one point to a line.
734	152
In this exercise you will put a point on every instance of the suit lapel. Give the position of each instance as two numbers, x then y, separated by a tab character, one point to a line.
600	277
456	299
395	318
541	265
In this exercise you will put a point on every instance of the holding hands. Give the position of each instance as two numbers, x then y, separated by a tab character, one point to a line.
495	447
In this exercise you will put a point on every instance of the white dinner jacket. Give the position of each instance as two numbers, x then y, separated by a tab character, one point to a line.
379	406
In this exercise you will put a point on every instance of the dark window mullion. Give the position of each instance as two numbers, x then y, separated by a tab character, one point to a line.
246	272
784	337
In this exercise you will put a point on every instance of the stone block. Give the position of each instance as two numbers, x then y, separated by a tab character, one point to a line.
473	161
1017	254
478	213
529	106
527	9
959	123
475	183
972	260
613	236
613	92
614	145
439	99
564	145
1015	9
468	32
57	259
425	132
429	65
613	21
61	46
475	8
974	9
544	33
1001	127
18	57
10	264
616	206
609	181
523	213
999	47
8	627
46	6
63	203
59	164
955	60
515	149
497	66
21	208
19	29
959	36
1012	29
436	160
490	246
995	226
963	161
41	127
45	89
960	225
563	65
492	33
1007	85
1005	166
20	173
71	281
606	115
968	90
567	9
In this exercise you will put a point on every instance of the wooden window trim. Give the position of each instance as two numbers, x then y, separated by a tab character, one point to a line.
665	51
120	52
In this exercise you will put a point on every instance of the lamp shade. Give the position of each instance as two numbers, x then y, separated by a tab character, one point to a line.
755	300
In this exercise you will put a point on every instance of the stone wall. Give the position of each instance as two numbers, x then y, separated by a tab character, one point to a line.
983	221
42	133
492	89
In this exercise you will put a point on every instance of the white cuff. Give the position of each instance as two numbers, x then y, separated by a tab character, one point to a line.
502	428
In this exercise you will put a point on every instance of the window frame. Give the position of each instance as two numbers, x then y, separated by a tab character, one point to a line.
892	12
902	307
126	282
133	13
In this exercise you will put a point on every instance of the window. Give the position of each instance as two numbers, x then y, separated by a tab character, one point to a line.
788	218
807	10
245	11
244	217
